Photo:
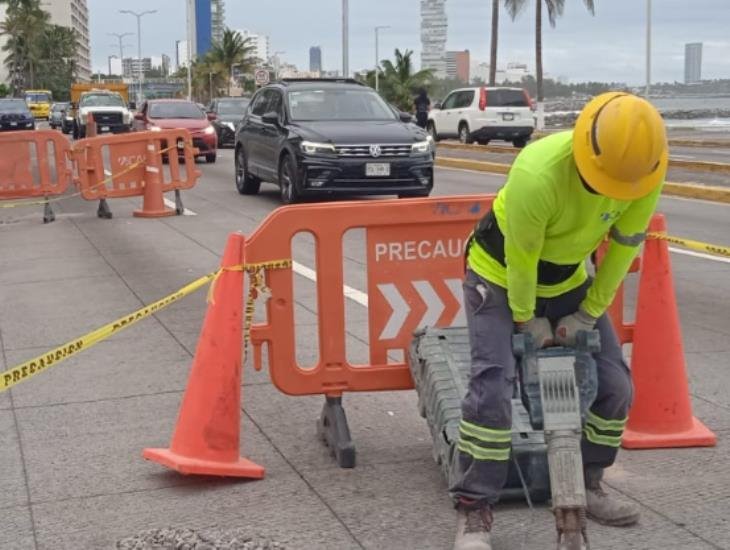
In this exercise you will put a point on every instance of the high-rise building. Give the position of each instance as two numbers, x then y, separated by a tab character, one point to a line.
74	14
115	66
457	66
218	19
4	76
434	29
315	59
200	26
261	45
693	63
181	54
131	66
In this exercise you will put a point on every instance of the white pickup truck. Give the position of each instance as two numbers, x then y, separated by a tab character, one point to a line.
109	110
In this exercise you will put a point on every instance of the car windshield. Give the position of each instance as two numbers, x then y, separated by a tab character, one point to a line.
13	106
37	97
102	100
338	104
58	107
175	109
232	107
506	98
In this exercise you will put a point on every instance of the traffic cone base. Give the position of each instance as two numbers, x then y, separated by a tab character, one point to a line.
187	465
161	213
698	435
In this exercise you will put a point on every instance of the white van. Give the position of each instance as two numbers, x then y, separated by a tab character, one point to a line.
483	114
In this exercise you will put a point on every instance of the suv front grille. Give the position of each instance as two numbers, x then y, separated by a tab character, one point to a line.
365	151
108	118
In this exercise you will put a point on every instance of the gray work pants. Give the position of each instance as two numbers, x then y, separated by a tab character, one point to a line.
487	403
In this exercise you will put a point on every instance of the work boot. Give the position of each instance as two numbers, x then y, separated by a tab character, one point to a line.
473	526
604	508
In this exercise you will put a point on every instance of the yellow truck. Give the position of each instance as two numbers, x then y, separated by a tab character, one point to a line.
107	102
39	102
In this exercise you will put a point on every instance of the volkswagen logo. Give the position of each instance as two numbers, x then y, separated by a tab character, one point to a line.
375	151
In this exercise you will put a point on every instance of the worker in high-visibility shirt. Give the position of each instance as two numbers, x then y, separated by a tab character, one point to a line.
526	273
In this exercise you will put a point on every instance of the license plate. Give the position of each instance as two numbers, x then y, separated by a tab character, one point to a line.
377	169
508	116
105	128
13	124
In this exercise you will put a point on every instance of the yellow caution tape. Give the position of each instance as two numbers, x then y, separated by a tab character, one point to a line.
108	179
24	371
693	245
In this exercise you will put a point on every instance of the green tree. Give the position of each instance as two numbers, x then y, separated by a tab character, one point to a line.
554	9
24	25
233	51
399	82
56	60
4	90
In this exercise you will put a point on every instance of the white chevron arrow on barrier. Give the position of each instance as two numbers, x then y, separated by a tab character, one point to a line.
400	311
434	306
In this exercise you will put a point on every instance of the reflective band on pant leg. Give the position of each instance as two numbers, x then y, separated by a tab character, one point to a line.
483	443
603	431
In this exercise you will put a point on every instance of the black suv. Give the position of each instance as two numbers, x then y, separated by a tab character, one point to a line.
327	137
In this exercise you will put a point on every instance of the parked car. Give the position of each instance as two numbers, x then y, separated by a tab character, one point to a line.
483	114
330	137
15	115
58	113
228	112
165	114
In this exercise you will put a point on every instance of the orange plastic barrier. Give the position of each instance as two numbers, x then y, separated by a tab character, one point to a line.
114	166
206	438
34	163
661	415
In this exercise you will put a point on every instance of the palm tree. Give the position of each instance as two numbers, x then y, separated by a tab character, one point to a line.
233	50
400	82
555	9
493	46
25	22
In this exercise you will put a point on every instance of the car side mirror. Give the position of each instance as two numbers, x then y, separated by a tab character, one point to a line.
405	117
132	106
74	105
138	116
437	105
270	118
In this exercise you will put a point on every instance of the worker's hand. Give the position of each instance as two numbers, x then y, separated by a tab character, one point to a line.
569	326
540	330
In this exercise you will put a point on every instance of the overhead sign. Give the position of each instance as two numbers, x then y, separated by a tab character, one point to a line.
415	276
261	77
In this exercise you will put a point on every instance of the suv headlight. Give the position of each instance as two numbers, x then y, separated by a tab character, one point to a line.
314	148
421	147
230	125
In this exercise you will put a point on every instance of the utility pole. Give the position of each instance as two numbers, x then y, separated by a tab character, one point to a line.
120	37
139	16
648	48
345	39
377	56
189	47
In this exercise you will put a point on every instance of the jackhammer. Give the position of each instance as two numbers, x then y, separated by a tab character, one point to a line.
557	386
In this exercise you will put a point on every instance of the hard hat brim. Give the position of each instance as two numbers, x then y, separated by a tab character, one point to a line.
597	179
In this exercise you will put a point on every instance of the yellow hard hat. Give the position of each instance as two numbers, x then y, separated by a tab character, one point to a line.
620	146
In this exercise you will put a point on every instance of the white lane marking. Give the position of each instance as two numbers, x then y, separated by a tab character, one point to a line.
435	307
699	255
352	293
171	204
682	157
400	311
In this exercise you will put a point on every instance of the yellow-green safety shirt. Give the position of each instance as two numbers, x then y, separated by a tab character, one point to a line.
546	213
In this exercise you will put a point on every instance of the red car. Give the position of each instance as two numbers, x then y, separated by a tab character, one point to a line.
166	114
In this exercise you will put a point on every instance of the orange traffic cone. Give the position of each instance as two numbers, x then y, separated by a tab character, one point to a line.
153	203
206	438
661	415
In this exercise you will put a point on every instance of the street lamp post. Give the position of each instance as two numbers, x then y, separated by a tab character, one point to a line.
648	48
210	85
120	38
277	64
377	56
139	16
345	39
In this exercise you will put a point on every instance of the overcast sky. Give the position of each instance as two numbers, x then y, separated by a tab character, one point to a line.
607	47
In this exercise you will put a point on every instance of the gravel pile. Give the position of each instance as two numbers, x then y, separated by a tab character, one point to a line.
205	539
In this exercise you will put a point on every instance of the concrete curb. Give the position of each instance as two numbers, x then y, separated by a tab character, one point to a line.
697	143
687	190
704	166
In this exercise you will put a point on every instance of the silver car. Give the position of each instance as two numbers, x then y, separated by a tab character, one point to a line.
57	118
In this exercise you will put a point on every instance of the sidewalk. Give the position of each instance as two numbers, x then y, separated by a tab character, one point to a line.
72	437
